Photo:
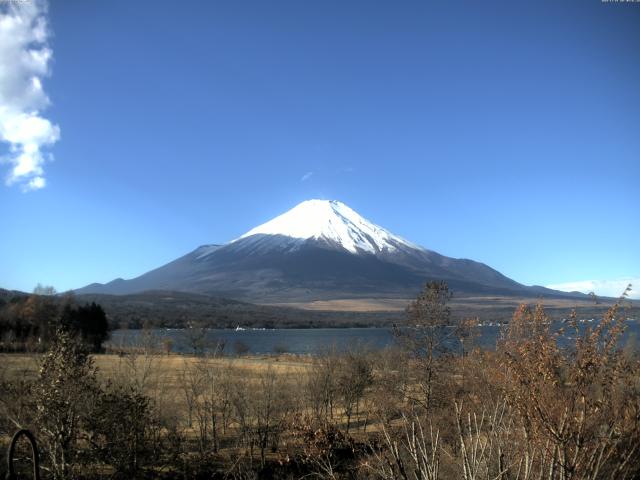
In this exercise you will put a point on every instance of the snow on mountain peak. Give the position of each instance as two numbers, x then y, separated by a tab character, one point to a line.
332	221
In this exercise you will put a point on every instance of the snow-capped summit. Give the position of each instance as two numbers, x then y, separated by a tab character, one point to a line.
334	222
319	249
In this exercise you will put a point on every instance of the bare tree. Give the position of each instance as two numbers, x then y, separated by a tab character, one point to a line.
391	384
410	452
196	336
486	444
189	384
425	336
322	385
354	376
269	409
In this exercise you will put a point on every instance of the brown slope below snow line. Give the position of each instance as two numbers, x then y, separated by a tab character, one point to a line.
351	305
471	305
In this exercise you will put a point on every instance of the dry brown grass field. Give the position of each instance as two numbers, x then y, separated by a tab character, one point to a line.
485	307
159	375
187	391
26	365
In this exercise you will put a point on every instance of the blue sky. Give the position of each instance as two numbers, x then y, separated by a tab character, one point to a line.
506	132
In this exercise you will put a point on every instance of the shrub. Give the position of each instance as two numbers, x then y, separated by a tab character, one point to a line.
118	430
64	394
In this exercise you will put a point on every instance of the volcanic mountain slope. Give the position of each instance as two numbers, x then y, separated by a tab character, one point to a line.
318	250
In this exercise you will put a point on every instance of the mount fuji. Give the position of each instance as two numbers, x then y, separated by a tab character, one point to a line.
318	250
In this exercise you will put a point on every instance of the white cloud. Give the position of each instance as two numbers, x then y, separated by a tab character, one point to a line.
306	176
602	288
35	183
24	62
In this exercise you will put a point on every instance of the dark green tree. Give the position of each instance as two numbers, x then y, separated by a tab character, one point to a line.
87	321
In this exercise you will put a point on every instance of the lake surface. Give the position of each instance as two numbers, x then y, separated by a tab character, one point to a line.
294	340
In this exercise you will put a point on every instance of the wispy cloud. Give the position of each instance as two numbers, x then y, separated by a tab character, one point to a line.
306	176
602	288
24	61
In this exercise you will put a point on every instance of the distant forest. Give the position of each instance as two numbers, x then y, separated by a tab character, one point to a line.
29	322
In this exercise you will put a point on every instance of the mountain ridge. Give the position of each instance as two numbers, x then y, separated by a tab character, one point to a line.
318	250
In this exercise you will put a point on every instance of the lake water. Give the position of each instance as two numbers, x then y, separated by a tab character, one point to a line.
294	340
